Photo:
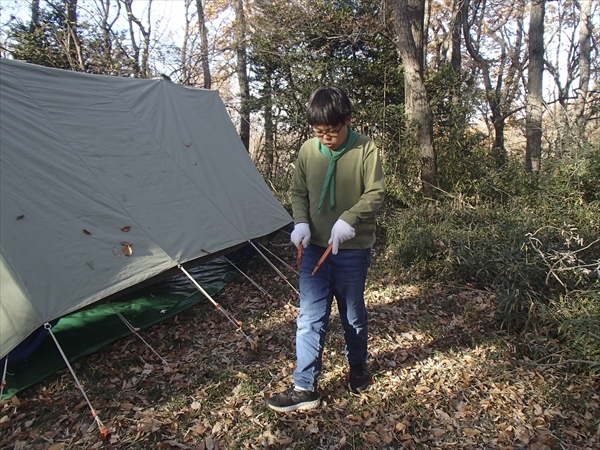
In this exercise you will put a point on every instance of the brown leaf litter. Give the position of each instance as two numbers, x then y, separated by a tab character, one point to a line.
445	377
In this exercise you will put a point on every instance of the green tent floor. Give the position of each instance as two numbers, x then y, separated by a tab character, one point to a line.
87	331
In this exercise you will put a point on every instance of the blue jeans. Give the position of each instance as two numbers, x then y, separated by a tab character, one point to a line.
343	276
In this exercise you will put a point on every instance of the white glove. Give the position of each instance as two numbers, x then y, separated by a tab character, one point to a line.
301	235
341	232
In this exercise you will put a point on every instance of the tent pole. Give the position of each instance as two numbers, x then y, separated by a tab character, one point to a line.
103	430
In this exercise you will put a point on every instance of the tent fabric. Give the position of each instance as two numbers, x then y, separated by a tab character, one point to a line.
84	157
91	329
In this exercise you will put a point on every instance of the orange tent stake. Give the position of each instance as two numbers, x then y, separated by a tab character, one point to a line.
323	258
300	251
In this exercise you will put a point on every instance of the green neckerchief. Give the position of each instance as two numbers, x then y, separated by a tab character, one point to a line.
333	156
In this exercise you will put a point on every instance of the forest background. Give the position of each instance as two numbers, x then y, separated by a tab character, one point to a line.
487	113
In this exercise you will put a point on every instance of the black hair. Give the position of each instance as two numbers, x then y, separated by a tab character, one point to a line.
328	106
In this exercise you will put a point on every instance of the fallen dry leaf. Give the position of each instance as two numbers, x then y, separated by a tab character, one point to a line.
421	389
471	432
57	446
469	393
86	232
437	432
126	228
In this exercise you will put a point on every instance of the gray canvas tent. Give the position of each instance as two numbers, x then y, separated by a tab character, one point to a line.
84	158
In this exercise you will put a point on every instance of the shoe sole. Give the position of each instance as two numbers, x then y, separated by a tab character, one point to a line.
297	407
359	389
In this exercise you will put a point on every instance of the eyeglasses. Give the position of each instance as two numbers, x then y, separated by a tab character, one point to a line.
330	134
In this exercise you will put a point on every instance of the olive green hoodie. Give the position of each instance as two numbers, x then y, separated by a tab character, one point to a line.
359	192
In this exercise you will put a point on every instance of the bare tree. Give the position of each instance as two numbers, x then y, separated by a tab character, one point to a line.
107	21
535	104
418	110
505	65
573	70
141	56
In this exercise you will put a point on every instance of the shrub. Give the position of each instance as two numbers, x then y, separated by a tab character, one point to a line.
537	246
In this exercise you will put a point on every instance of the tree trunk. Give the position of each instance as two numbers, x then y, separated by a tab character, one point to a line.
419	113
146	49
35	16
416	16
425	34
535	104
455	54
242	73
203	46
185	71
269	126
585	50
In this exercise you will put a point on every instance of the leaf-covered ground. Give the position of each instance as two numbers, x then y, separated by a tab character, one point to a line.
445	376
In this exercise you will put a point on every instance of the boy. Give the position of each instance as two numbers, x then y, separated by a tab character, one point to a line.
337	189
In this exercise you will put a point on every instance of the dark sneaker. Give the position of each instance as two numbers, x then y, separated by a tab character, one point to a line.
360	378
293	400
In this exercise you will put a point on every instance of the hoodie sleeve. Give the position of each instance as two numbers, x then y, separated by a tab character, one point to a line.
299	191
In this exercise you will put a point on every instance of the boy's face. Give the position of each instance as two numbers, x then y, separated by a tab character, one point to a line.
332	136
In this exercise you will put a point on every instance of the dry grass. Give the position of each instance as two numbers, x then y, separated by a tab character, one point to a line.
445	376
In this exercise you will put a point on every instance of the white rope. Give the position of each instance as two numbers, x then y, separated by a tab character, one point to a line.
103	429
279	259
135	330
260	288
232	319
3	383
274	267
